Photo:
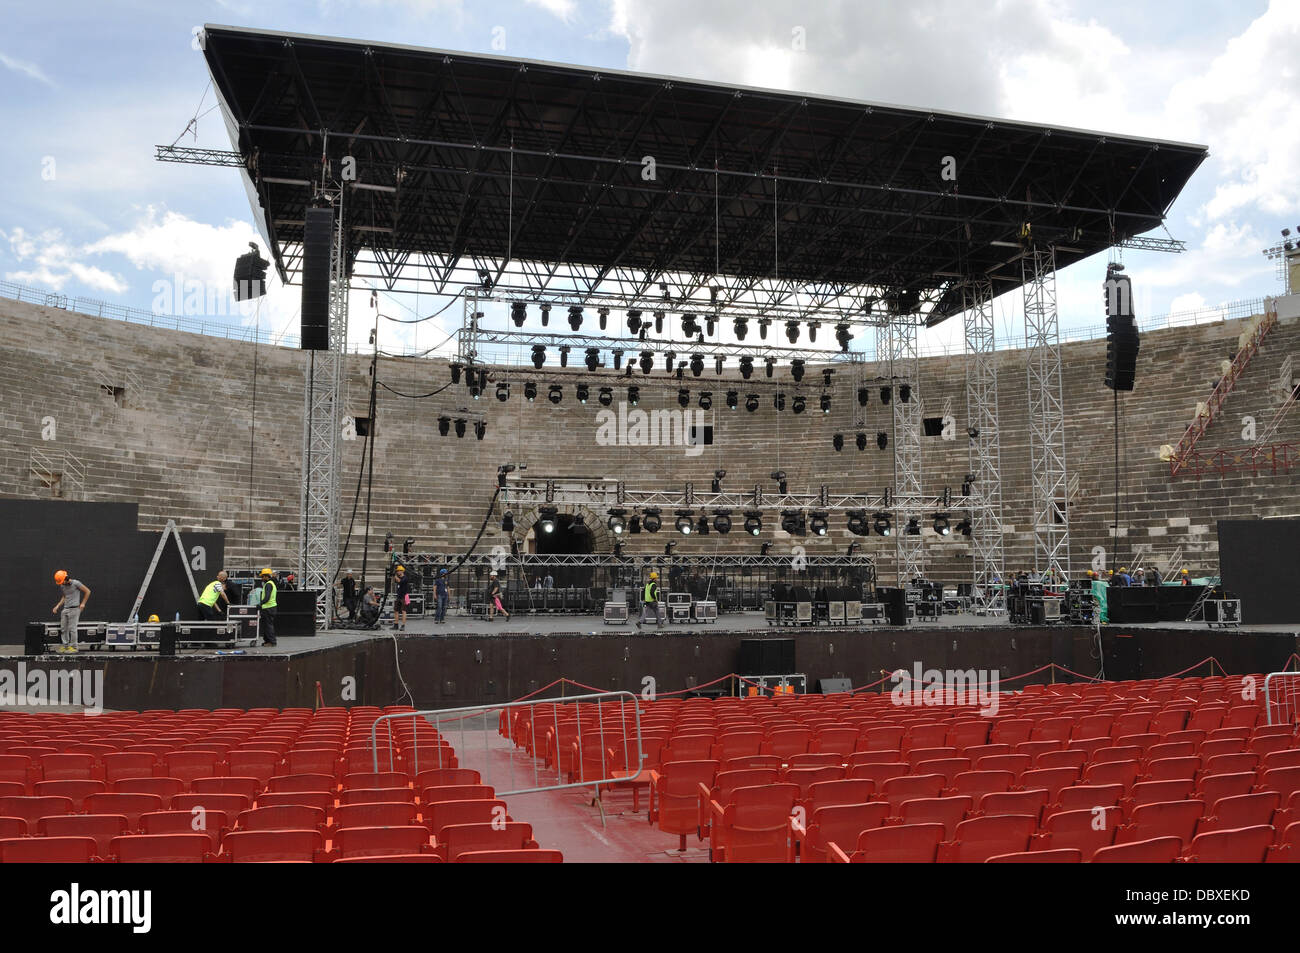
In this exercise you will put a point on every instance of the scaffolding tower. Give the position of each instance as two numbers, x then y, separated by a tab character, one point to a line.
896	344
987	553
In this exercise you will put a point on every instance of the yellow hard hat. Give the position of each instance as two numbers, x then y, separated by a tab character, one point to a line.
1184	572
654	575
403	569
1123	569
61	577
266	572
153	618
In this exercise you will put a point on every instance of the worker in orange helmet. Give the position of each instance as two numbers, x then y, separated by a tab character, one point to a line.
72	601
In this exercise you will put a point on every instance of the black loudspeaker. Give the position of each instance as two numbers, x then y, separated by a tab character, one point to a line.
767	656
895	601
167	640
250	275
34	638
1121	352
828	686
317	239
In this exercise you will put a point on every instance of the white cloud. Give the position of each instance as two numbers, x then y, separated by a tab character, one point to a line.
27	69
51	262
564	9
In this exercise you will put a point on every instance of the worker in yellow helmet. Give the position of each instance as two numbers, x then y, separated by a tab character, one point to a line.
1186	580
266	608
650	606
72	601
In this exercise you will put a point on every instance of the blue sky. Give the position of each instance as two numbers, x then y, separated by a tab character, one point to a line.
88	89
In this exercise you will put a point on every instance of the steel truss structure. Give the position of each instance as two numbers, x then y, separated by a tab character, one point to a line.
318	540
987	550
896	345
857	563
1050	481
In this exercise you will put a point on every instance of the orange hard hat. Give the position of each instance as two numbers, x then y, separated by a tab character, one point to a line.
60	577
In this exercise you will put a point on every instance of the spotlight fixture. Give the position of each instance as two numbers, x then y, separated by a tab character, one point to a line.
659	322
717	363
913	527
634	526
763	324
697	365
941	525
753	522
793	522
539	355
683	397
842	336
837	442
741	327
518	313
685	522
546	315
460	426
706	400
647	361
824	402
798	404
751	402
722	521
885	394
593	358
854	546
863	396
633	395
444	426
882	440
817	523
882	524
564	355
709	326
827	373
634	322
606	396
733	399
796	369
964	527
967	484
746	367
455	373
779	400
618	550
651	520
618	359
669	547
555	393
603	314
503	392
617	521
973	432
508	522
769	365
905	393
530	391
702	527
857	523
669	358
779	477
861	441
689	327
764	549
546	519
485	279
476	381
716	486
480	429
575	317
583	393
792	331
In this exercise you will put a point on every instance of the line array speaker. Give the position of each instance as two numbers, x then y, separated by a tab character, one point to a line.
317	240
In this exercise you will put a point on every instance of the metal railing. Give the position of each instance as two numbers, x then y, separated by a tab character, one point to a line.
68	468
1282	698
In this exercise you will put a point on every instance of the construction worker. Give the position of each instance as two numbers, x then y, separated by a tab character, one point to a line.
1186	581
266	608
214	594
74	599
401	598
1122	577
650	600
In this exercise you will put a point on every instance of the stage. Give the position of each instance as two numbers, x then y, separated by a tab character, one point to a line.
470	661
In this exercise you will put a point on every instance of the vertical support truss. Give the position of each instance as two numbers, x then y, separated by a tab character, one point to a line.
319	534
899	338
1046	413
985	449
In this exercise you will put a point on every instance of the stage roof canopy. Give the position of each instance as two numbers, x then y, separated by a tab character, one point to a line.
467	160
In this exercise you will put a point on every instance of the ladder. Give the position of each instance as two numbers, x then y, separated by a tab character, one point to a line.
169	532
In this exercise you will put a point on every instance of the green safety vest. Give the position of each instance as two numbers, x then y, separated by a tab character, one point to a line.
268	595
210	594
651	593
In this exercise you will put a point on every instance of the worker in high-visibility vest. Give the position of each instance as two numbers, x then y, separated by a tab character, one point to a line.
266	608
650	607
214	594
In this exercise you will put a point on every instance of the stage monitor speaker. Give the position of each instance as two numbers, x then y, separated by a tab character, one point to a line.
895	601
829	686
167	641
316	246
34	638
766	656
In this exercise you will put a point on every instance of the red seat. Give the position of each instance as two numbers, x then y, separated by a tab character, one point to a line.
1236	763
459	839
1112	772
978	783
1172	769
1160	850
712	798
281	817
248	787
130	805
387	779
948	767
945	811
75	791
128	764
832	793
446	813
312	761
438	777
32	809
188	765
381	814
1030	801
785	742
69	767
1069	758
841	824
457	792
323	800
163	788
1162	819
1212	788
805	778
899	844
254	763
674	796
210	823
394	859
101	828
48	850
897	790
232	804
979	838
271	847
754	824
878	773
13	827
1058	856
161	848
510	857
1243	810
1287	849
1242	845
294	783
376	795
1085	830
820	759
1285	781
1153	792
1286	758
1052	780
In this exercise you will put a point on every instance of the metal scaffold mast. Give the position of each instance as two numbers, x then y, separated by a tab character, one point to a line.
985	448
899	340
1046	412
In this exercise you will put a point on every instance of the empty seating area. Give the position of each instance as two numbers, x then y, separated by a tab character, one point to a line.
1159	770
232	786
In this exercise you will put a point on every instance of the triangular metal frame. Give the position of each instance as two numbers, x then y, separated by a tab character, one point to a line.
169	530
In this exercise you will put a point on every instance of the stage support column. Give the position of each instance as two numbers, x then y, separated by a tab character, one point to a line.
985	500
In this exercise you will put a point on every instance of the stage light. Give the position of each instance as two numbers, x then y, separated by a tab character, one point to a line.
460	426
746	367
669	357
967	484
603	314
634	322
863	396
857	523
947	497
792	522
798	404
741	327
575	317
503	392
659	322
764	548
706	400
885	394
722	521
539	356
685	522
633	396
882	524
606	396
593	358
555	394
973	432
697	365
753	522
792	331
546	314
842	336
796	369
824	402
530	391
583	393
444	426
779	477
964	527
617	521
702	527
779	400
455	373
837	442
618	550
913	527
905	393
733	399
827	373
861	441
769	365
647	361
717	363
618	360
480	429
508	522
475	385
882	440
818	524
683	397
689	327
669	547
941	526
751	402
564	355
651	520
546	521
854	545
762	327
709	326
634	526
518	313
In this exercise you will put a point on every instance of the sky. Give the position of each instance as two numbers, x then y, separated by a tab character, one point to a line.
88	88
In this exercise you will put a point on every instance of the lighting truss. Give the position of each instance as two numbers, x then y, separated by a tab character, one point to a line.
988	556
896	344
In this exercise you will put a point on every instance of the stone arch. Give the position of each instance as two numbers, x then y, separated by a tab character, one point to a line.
602	540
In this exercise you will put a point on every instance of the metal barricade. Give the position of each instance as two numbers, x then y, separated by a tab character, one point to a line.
1282	697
